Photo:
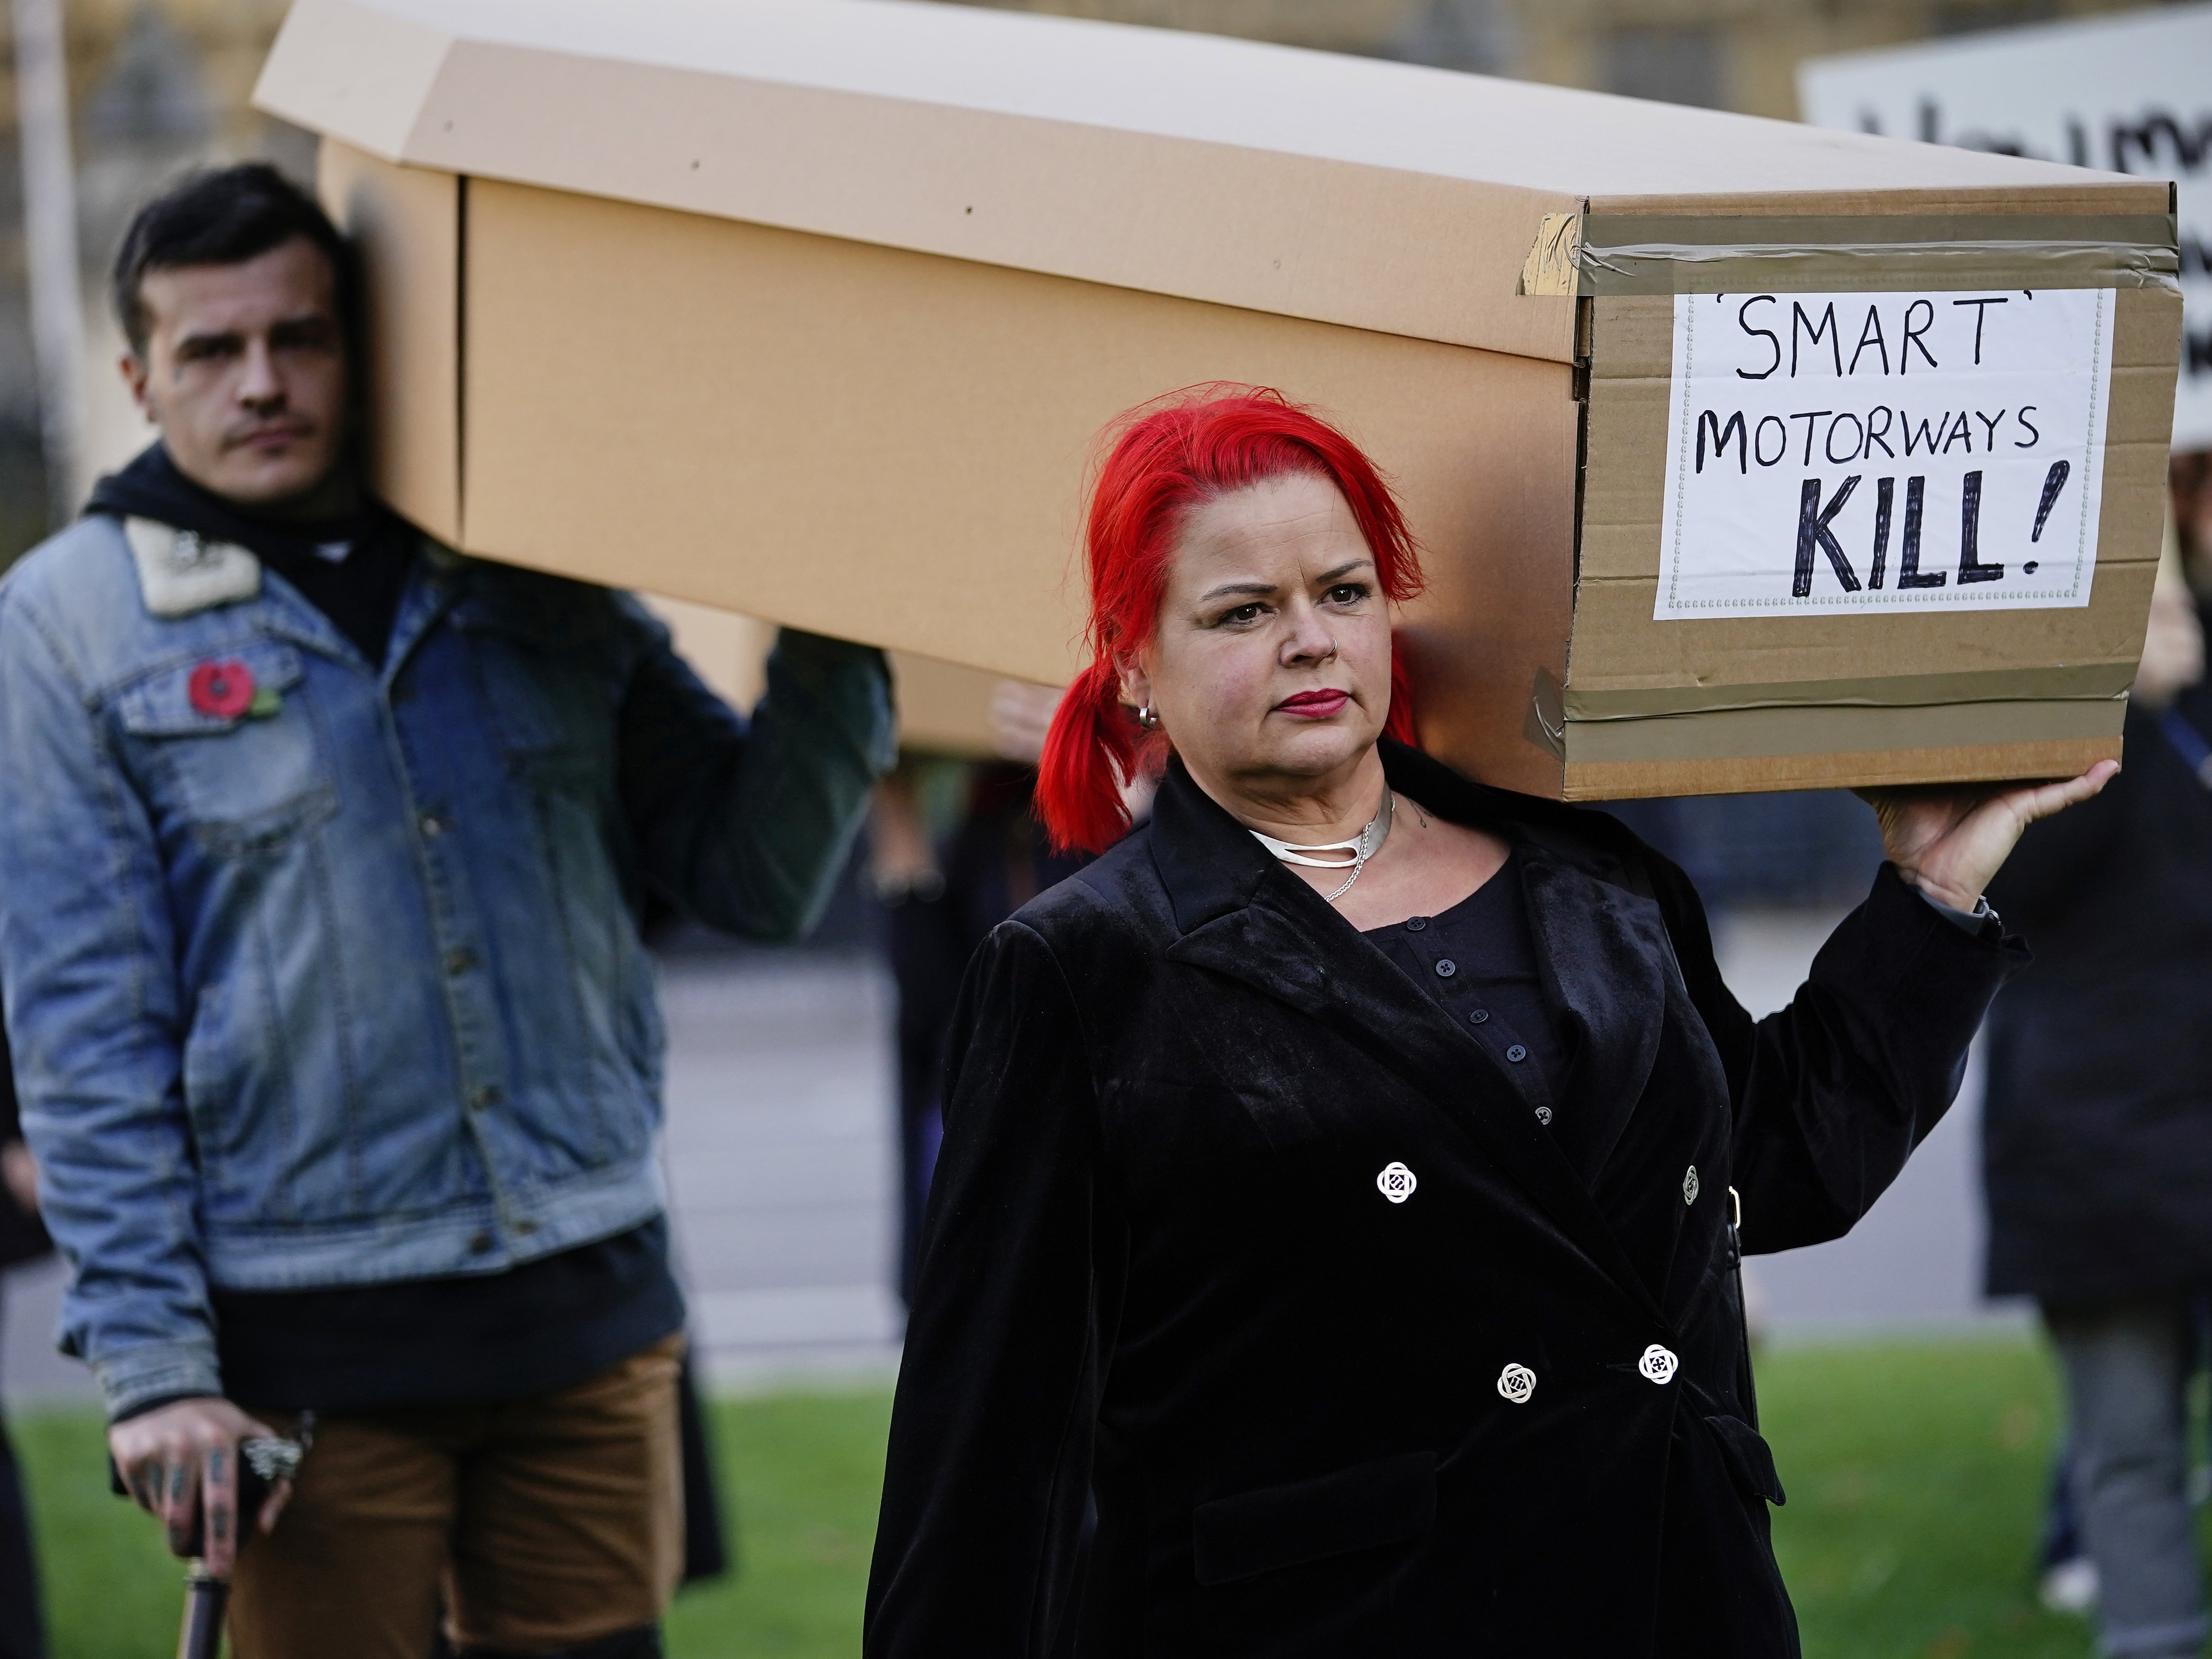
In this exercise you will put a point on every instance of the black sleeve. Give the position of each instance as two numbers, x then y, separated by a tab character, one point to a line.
746	825
990	1451
1833	1093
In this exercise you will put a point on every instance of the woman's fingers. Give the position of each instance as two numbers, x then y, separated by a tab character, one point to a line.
1950	844
2051	798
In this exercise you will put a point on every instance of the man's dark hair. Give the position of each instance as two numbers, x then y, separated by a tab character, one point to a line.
225	216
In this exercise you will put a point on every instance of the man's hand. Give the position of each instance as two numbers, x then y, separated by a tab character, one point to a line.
1020	715
19	1173
1948	842
170	1456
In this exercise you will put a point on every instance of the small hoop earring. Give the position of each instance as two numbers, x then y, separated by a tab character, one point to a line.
1148	720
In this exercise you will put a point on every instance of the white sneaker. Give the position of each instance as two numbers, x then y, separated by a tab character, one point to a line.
2071	1586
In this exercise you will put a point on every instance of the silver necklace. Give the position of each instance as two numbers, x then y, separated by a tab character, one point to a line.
1370	842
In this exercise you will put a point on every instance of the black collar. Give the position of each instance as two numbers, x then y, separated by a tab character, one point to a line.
1210	864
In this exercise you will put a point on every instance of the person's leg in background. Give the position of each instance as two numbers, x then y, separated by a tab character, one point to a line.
2067	1577
920	934
22	1633
2126	1368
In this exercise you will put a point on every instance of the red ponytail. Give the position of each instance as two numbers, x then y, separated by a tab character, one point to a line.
1169	456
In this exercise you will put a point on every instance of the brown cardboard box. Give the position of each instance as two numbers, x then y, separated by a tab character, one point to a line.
810	311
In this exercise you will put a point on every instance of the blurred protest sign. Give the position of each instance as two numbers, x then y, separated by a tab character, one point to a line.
2131	94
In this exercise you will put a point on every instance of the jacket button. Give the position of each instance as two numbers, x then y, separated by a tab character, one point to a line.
1415	924
1543	1114
1446	968
433	825
460	959
480	1244
1479	1017
1690	1186
1658	1364
483	1095
1396	1182
1515	1383
1516	1054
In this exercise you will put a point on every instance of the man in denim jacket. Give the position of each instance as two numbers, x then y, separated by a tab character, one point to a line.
321	853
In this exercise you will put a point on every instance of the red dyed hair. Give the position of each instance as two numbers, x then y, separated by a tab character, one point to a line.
1169	457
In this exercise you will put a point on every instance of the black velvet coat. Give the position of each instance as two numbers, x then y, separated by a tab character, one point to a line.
1181	1380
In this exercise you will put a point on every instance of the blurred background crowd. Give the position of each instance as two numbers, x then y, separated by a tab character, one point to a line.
802	1120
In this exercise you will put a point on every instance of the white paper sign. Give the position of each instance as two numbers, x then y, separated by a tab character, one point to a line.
1834	453
2131	93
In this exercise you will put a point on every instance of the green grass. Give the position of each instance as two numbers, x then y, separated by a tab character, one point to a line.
1915	1471
1916	1476
800	1476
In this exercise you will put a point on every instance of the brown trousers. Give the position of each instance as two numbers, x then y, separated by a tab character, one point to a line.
534	1525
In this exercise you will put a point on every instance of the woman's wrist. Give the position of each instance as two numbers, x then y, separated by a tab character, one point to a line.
1949	894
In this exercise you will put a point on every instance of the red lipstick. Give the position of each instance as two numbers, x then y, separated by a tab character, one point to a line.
1313	705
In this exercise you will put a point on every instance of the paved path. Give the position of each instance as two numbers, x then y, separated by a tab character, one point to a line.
780	1158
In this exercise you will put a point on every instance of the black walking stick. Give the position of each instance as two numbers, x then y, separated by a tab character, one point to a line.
264	1461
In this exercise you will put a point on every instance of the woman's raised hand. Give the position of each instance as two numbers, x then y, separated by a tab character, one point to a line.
1949	841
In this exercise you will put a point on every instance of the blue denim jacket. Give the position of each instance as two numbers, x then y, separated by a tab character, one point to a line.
348	987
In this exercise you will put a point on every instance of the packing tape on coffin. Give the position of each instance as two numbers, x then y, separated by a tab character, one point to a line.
1635	254
2094	682
1752	734
1552	708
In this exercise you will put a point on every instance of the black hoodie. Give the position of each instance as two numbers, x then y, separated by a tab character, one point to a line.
351	567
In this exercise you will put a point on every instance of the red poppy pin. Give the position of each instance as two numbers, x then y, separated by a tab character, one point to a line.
223	688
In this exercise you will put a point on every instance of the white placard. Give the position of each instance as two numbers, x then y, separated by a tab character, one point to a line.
2131	94
1832	452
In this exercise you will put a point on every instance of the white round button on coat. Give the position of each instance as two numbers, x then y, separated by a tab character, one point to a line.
1690	1186
1658	1364
1396	1182
1515	1383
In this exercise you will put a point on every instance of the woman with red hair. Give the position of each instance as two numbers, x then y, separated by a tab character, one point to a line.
1331	1247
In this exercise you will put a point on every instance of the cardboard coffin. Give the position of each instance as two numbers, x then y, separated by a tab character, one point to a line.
943	708
811	311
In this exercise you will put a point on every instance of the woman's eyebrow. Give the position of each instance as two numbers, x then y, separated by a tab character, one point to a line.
1226	588
1344	569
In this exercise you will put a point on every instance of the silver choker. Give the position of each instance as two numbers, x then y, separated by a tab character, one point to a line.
1356	852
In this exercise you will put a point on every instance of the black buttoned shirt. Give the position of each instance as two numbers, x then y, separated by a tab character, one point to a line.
1477	960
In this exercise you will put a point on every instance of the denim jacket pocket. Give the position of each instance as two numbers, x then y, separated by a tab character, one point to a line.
236	757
